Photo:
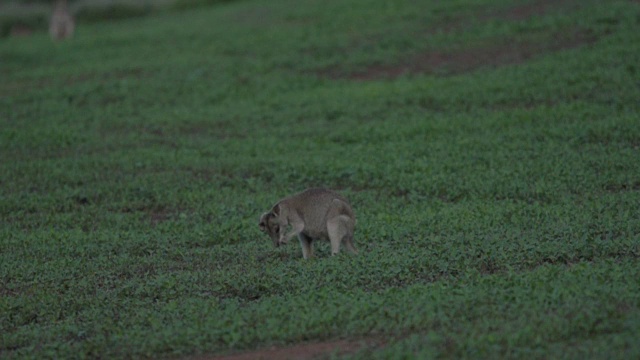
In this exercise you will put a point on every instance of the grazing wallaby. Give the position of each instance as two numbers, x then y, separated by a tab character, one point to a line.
312	214
62	23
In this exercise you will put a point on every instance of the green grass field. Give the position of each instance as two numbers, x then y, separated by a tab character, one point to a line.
491	150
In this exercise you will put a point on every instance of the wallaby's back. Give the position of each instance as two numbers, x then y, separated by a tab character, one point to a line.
317	204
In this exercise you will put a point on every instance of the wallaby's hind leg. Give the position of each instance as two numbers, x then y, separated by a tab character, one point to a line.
348	243
307	246
335	230
339	230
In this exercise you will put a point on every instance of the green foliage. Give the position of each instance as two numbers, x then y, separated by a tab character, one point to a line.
497	201
188	4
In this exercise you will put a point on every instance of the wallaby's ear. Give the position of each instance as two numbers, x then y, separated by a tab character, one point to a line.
276	210
263	222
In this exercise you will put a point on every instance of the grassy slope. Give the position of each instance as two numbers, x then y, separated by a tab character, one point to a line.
497	209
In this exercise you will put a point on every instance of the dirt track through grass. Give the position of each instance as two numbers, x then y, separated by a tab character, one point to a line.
490	53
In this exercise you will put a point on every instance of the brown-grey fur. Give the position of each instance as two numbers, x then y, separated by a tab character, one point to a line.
62	24
313	214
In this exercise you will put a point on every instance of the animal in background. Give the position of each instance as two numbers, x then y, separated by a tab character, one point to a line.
62	23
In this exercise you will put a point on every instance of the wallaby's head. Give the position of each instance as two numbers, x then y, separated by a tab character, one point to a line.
270	225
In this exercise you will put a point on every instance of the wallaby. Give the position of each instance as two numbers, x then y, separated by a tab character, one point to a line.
62	23
312	214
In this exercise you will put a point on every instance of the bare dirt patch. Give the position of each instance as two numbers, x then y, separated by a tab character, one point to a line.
521	12
491	54
159	216
20	30
530	9
503	52
302	351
